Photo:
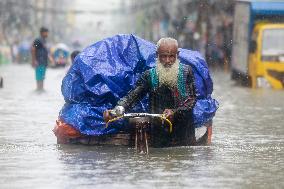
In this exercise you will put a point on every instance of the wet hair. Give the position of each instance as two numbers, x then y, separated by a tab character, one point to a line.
166	40
74	54
43	29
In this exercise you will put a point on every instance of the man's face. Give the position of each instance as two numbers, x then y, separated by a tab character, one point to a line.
167	54
44	35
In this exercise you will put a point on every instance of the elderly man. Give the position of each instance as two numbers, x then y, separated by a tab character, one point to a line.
171	90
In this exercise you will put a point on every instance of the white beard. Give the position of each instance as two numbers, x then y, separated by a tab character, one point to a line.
168	75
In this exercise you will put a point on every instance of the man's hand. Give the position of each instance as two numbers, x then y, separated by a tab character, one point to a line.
51	60
34	64
169	113
107	116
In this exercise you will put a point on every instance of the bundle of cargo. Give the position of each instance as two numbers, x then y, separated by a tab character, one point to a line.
105	72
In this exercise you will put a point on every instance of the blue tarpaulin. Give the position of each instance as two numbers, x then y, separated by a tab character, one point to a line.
105	71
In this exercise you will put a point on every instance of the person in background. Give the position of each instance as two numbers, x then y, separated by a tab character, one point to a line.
73	55
15	52
1	82
40	57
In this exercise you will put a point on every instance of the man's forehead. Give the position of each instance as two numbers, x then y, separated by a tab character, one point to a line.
167	49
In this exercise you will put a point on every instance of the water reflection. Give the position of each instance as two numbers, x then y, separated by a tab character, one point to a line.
121	166
247	149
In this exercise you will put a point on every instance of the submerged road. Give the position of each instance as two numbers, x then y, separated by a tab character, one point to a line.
247	149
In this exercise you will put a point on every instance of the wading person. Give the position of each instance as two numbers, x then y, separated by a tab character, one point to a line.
171	90
73	55
40	57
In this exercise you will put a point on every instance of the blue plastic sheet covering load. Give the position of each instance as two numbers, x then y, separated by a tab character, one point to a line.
105	71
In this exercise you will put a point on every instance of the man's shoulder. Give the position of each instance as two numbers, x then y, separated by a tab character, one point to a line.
37	42
145	75
147	72
185	66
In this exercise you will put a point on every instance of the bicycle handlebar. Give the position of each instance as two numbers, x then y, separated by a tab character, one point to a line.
133	115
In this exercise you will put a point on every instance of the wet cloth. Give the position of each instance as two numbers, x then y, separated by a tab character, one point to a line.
40	71
41	51
106	71
180	98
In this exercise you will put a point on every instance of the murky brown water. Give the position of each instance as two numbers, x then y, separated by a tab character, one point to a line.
247	149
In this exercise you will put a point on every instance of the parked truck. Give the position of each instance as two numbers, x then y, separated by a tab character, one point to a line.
258	44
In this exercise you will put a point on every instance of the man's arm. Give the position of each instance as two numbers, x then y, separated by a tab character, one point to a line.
141	89
33	51
51	60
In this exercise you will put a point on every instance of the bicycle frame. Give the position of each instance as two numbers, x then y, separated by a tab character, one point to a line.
141	138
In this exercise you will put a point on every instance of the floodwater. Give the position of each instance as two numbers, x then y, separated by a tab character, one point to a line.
247	150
